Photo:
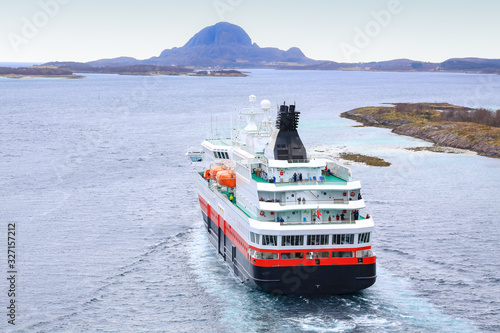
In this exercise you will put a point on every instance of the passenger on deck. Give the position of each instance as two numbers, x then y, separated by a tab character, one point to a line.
298	199
359	196
329	218
338	217
342	216
303	201
294	177
281	219
300	176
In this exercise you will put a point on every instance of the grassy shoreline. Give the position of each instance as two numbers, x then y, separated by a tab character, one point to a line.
368	160
425	121
20	76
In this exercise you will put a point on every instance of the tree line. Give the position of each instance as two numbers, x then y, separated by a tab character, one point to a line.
479	116
451	113
35	71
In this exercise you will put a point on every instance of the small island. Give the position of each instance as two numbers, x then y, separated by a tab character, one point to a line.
368	160
67	70
441	123
227	73
34	72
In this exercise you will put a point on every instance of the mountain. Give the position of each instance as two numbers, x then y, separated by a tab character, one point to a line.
220	45
220	34
120	61
472	64
228	45
390	65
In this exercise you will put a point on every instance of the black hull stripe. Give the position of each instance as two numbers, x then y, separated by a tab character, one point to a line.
296	280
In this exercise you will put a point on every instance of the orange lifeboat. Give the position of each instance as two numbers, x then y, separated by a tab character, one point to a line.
226	178
206	175
216	169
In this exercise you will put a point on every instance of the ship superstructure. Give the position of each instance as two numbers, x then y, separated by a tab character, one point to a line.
285	222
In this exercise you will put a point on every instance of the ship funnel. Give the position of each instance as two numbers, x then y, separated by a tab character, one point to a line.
286	140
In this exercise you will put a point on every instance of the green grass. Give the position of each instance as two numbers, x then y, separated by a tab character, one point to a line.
368	160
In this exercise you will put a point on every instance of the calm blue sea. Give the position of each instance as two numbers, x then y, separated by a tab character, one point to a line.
109	234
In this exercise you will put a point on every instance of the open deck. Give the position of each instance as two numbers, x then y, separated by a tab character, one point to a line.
322	179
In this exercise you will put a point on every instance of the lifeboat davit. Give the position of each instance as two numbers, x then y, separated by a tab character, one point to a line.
226	178
215	170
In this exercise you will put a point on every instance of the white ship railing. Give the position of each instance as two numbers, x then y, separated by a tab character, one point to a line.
318	222
363	215
311	180
307	202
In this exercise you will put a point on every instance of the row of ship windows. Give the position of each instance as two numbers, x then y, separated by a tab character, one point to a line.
309	255
221	154
298	240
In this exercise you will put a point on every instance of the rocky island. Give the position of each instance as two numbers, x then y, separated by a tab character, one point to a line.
67	70
229	72
441	123
33	72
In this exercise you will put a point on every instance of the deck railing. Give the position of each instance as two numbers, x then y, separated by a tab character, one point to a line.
310	180
308	202
318	222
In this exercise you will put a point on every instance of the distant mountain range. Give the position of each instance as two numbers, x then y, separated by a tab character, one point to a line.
221	45
226	45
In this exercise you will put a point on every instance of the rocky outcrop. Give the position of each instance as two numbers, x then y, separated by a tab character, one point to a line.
470	136
485	140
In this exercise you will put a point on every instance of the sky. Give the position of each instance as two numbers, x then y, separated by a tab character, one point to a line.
337	30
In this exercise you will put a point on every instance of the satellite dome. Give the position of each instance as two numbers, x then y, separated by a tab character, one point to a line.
265	105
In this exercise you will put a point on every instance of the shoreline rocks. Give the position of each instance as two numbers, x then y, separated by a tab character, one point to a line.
485	140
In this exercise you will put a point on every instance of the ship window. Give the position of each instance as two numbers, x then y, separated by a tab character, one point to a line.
364	253
269	255
196	159
226	156
269	240
254	237
364	238
292	240
293	255
318	255
263	255
317	240
215	154
343	239
342	254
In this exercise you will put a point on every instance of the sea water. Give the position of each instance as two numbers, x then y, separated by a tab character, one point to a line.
109	234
